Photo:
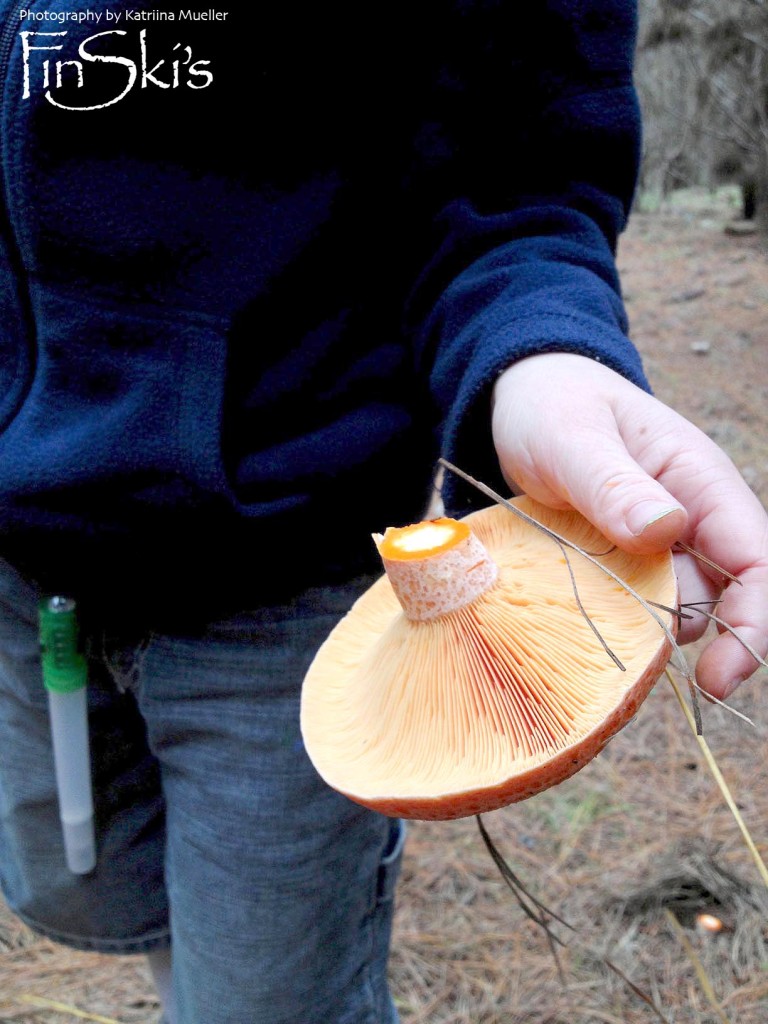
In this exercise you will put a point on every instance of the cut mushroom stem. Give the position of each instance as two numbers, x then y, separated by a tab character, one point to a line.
435	567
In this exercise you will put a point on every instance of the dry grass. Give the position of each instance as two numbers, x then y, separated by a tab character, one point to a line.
116	988
642	830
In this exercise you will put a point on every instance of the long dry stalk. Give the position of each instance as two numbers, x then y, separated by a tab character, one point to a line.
722	784
70	1011
701	973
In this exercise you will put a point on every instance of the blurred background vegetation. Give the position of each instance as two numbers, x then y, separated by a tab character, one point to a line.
702	76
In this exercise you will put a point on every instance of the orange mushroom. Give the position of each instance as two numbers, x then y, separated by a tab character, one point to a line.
468	677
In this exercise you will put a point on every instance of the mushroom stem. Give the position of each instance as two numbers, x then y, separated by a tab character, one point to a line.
435	567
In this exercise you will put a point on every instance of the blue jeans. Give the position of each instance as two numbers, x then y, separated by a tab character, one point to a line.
214	832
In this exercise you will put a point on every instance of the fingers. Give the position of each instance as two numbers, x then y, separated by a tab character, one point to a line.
730	527
572	433
616	494
727	662
561	442
695	586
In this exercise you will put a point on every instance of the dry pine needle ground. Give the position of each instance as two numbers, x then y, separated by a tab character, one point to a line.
642	829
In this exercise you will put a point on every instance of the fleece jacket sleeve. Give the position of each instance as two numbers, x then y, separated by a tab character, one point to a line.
547	167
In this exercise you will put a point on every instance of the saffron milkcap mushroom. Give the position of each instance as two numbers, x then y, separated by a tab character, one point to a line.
467	677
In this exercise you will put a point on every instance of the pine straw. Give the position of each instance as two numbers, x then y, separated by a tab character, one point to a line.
101	986
641	829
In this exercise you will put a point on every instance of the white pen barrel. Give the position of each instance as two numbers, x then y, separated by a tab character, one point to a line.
71	753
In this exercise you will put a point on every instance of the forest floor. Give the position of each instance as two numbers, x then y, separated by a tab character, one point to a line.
637	846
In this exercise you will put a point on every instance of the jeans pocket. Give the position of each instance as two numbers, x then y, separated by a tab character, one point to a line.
391	860
19	639
389	871
17	345
19	597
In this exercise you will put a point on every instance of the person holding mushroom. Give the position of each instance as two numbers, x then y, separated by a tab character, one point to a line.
231	352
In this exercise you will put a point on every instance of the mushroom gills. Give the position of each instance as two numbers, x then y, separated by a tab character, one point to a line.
498	697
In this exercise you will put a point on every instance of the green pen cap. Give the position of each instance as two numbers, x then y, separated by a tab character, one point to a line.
64	666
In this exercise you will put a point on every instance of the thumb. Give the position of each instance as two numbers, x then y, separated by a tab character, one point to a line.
623	501
589	467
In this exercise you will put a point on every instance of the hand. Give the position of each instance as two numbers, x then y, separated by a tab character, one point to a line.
570	432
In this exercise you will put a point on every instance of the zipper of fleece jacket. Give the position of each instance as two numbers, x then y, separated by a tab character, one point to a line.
8	37
7	40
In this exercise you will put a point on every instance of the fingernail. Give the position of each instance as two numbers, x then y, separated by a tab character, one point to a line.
646	513
730	687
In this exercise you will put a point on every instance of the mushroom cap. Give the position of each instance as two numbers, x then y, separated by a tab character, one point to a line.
500	699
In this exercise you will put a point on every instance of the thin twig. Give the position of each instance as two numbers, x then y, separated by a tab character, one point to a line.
583	610
708	697
708	561
721	622
513	881
726	707
602	554
521	894
542	919
636	989
677	612
563	541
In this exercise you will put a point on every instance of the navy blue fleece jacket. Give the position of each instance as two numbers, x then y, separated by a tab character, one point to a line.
244	302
